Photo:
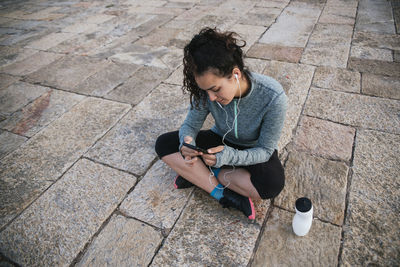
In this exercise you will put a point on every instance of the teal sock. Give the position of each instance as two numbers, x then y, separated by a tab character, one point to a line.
218	192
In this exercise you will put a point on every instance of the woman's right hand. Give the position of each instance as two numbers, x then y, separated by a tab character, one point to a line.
189	155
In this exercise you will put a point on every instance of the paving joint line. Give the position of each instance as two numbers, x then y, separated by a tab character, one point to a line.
347	198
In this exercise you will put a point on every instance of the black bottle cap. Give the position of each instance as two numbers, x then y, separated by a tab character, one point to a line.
303	204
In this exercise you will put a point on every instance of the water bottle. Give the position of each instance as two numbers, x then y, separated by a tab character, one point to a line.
302	220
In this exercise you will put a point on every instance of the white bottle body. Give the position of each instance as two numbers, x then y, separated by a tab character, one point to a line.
302	222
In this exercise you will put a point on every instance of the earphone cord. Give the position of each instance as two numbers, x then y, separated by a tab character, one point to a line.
230	128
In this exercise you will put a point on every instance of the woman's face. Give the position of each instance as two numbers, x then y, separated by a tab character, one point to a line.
220	89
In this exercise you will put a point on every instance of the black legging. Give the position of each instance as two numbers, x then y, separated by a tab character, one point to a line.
267	177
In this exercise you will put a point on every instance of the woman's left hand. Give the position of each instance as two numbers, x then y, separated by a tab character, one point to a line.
210	159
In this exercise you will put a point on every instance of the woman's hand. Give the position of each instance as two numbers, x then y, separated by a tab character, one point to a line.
189	155
210	159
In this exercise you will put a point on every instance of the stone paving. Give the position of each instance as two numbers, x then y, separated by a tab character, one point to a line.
87	86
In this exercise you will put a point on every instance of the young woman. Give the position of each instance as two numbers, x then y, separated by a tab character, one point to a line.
239	161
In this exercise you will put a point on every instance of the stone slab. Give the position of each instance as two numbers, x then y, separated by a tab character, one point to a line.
123	242
365	52
105	80
325	139
139	85
208	235
329	45
382	86
337	79
176	77
52	151
31	63
255	64
323	181
353	109
18	95
338	14
375	16
275	3
160	37
297	22
260	16
49	41
160	57
9	142
56	227
280	53
378	40
371	232
67	72
6	80
130	144
12	54
295	80
375	66
279	246
155	199
249	33
40	112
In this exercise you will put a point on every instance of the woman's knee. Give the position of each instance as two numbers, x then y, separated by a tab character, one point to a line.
166	144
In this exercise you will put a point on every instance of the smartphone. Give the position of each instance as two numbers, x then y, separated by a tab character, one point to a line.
195	148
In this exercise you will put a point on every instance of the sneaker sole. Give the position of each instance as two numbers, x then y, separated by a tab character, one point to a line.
253	213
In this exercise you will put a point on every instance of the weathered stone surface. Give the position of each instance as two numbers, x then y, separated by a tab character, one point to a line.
378	40
12	54
375	66
279	246
123	242
105	80
375	16
139	85
329	45
160	57
49	41
355	110
130	144
80	27
56	227
339	13
233	8
371	231
383	86
295	80
281	53
365	52
337	79
176	77
324	138
297	22
18	95
43	14
323	181
396	56
249	33
31	63
28	171
208	235
160	37
260	16
155	199
9	142
275	3
39	113
68	72
6	80
255	64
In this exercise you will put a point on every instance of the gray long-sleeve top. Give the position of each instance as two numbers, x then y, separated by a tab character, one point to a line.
258	126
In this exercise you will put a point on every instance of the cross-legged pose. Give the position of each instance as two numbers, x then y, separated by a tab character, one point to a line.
236	160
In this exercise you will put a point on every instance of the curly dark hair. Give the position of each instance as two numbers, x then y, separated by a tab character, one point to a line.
210	50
